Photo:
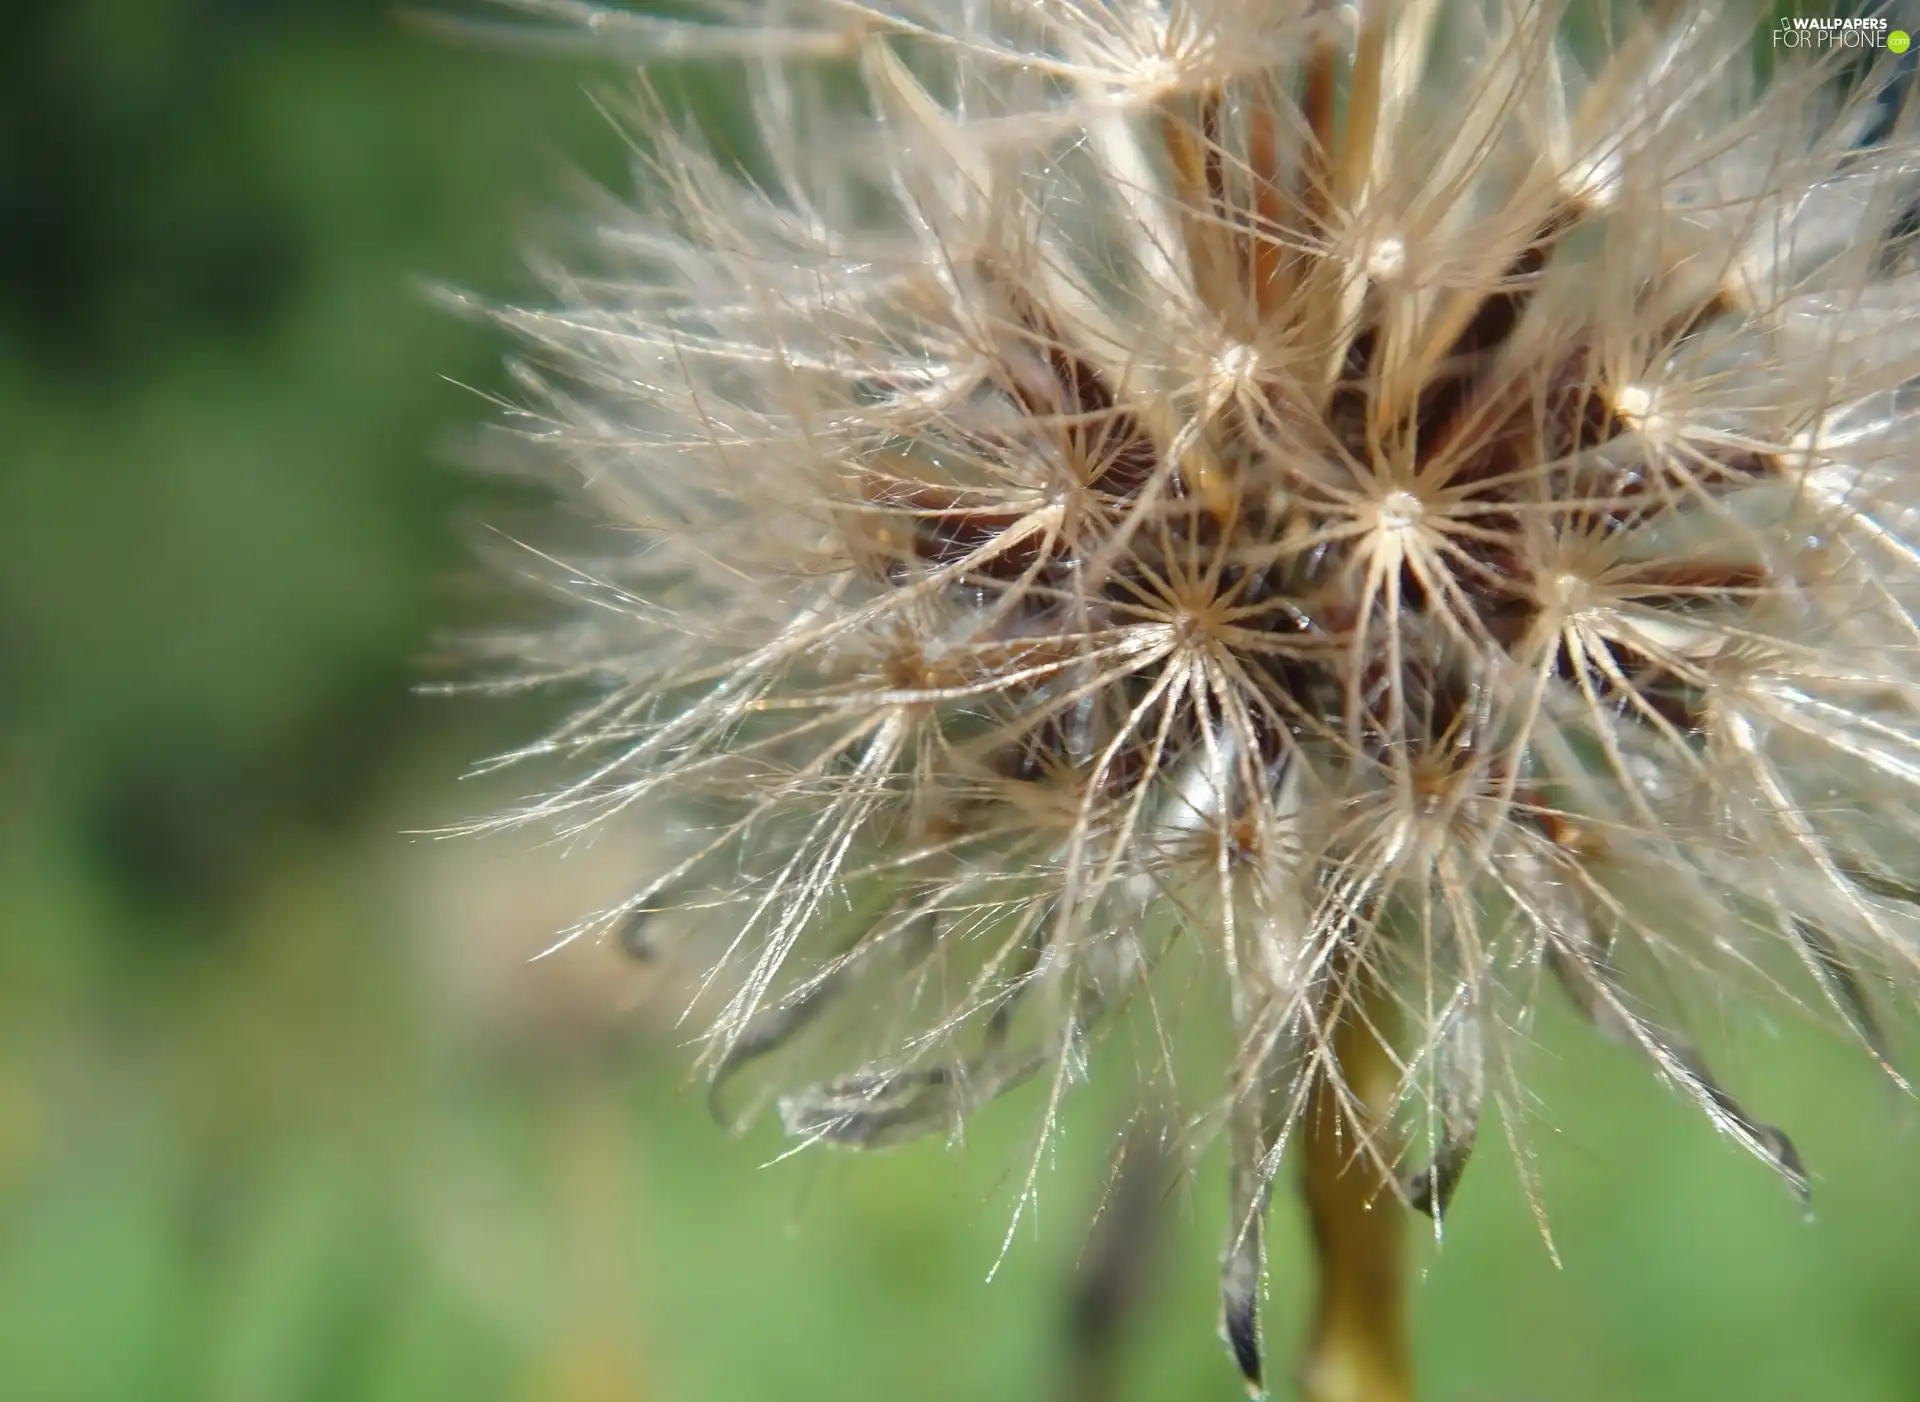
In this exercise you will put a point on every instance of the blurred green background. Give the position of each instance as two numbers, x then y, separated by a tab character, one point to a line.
285	1114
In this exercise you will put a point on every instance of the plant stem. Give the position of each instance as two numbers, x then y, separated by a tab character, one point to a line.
1358	1350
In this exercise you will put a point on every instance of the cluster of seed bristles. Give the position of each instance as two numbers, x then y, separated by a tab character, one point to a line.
1375	495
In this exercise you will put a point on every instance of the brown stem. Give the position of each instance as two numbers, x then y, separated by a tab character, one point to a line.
1358	1350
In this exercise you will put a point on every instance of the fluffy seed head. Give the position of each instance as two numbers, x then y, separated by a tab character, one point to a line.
1124	508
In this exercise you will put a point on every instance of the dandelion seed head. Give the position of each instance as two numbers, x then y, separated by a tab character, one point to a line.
1131	515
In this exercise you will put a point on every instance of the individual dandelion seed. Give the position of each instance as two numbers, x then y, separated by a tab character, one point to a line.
1377	502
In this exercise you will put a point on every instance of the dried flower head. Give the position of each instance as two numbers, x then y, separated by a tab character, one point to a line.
1350	506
